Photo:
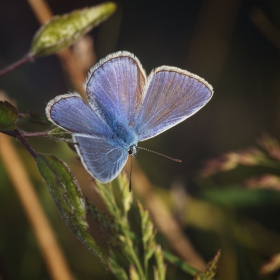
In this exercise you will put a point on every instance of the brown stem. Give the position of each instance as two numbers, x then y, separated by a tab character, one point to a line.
16	64
25	134
23	141
34	134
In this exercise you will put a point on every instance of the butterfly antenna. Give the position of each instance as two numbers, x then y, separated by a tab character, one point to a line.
130	174
174	159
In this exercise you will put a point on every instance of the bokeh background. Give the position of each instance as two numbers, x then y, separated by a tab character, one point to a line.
234	45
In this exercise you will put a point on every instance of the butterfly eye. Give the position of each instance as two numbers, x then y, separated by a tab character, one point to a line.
133	151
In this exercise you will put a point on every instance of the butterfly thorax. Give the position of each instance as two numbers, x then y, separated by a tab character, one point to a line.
125	136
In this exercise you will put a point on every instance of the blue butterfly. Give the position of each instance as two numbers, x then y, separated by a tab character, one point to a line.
125	107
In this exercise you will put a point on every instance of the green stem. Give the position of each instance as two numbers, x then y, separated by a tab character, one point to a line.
132	253
16	64
137	264
111	204
146	264
181	264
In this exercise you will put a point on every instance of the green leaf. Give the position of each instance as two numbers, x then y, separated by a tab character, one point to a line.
68	197
8	116
62	31
60	135
181	264
148	236
126	195
160	270
133	273
115	268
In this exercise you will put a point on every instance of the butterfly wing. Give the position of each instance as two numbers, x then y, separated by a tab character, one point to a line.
171	95
72	113
102	157
114	88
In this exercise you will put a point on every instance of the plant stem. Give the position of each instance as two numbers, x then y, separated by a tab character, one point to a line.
181	264
35	134
146	261
16	64
131	253
137	264
25	134
22	139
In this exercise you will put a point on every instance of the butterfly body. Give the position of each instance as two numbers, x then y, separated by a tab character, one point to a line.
124	135
125	107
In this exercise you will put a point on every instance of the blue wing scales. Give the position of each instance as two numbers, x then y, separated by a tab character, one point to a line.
114	88
123	109
171	95
102	159
71	112
101	156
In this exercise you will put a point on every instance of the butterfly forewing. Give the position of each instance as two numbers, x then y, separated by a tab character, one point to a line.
114	88
170	96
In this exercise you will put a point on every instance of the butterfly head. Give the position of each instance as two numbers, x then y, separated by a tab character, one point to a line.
133	149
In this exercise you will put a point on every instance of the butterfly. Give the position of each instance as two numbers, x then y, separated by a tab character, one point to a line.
125	107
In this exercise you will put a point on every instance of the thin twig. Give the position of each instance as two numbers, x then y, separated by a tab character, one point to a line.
25	134
27	146
45	236
16	64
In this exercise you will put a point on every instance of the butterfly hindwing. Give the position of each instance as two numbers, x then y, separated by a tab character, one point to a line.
170	96
102	159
